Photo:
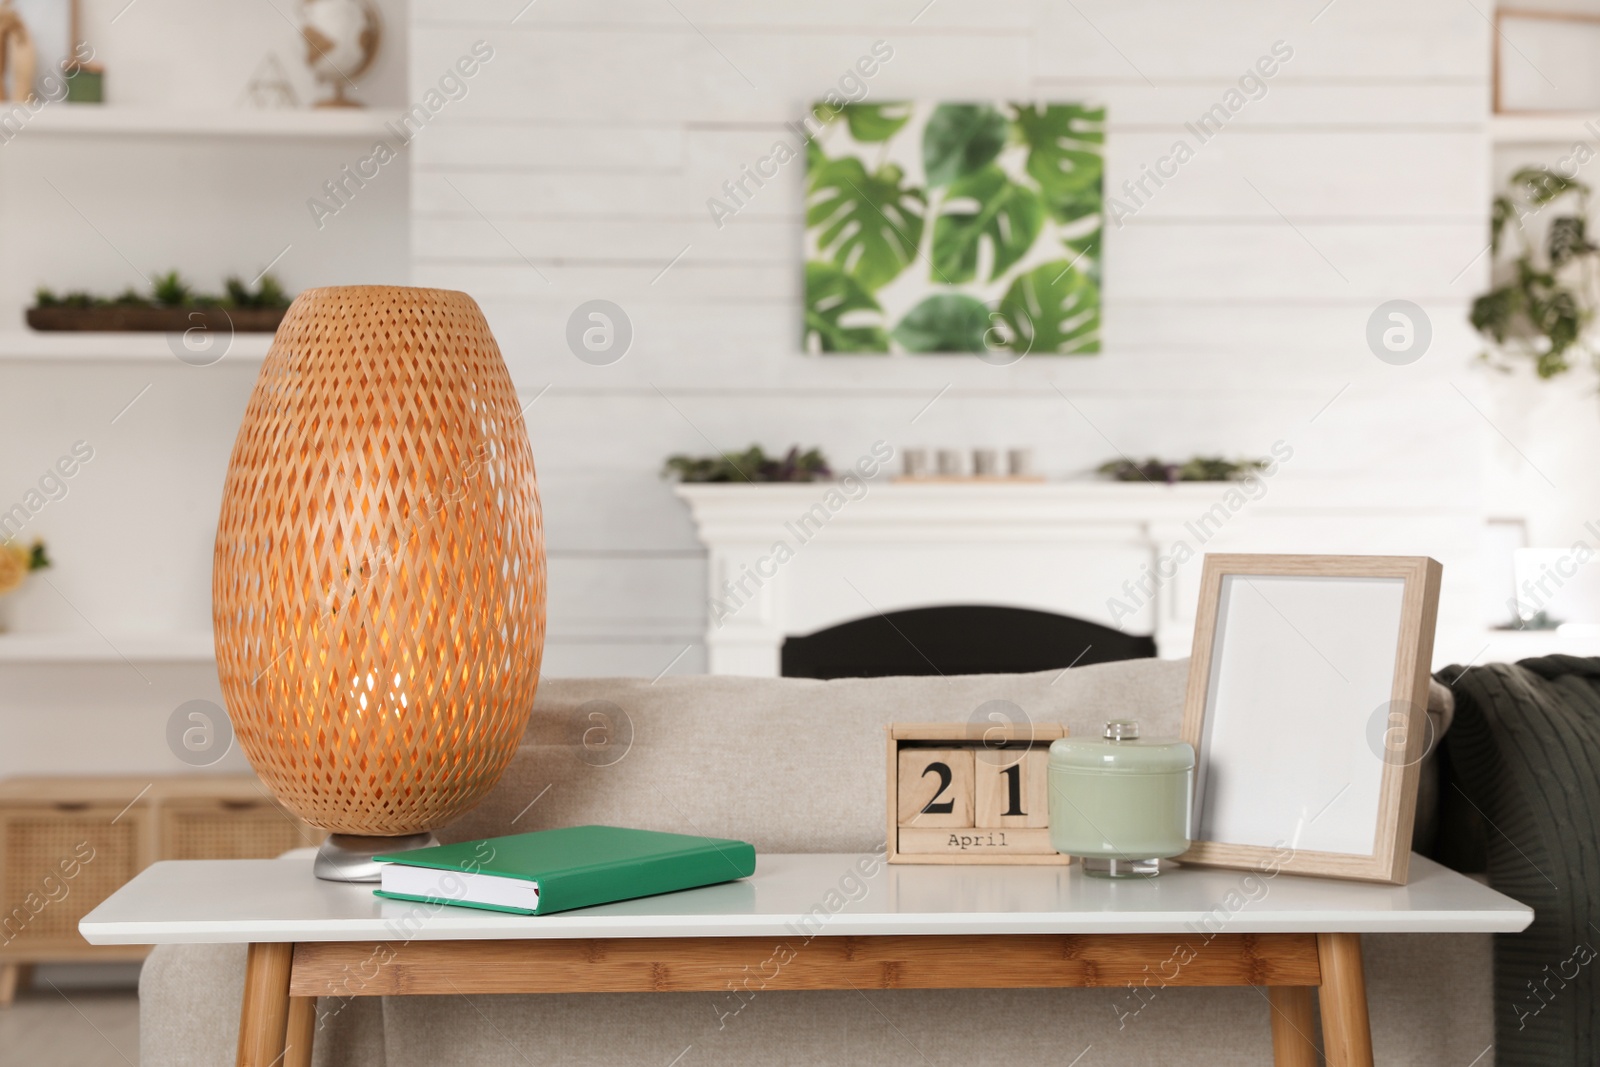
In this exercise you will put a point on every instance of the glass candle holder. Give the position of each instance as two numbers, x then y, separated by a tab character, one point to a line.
1120	803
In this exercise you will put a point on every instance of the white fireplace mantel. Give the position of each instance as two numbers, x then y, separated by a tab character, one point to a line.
788	560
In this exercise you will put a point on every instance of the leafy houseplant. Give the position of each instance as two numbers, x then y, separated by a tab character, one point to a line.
990	242
751	465
1543	311
172	306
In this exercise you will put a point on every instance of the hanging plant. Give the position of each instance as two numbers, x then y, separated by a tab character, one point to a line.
1543	312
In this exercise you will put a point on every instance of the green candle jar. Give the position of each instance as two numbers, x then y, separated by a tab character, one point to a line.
1119	803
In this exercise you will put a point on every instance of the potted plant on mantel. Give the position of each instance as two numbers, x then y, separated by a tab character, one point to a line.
751	465
1542	312
1195	469
172	307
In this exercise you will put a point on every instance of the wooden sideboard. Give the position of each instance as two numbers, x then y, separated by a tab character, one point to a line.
67	843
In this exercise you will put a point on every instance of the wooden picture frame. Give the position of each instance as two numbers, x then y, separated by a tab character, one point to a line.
979	773
1576	19
1306	706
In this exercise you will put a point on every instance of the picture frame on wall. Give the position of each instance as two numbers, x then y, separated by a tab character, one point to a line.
1543	62
1306	706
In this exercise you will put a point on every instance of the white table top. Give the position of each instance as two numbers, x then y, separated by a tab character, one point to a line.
191	901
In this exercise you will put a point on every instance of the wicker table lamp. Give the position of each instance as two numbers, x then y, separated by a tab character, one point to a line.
379	586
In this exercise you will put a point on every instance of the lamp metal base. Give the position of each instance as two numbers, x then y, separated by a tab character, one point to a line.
348	857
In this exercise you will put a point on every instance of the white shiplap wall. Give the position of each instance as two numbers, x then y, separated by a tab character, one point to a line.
579	165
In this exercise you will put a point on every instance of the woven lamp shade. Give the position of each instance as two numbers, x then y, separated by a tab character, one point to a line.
379	583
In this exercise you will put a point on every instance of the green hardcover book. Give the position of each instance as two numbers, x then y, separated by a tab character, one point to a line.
557	870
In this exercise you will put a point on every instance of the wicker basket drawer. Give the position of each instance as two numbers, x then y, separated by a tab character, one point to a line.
57	862
219	829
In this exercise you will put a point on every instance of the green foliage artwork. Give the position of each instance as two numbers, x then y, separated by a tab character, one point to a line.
940	228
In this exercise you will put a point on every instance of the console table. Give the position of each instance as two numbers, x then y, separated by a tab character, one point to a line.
791	926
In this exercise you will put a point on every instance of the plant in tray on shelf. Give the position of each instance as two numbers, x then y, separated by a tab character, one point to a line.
1195	469
1542	311
267	294
170	290
751	465
172	305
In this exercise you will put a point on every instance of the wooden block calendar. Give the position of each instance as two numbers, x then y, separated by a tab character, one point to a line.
970	793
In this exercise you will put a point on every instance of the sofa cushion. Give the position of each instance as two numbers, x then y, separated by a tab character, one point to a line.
788	764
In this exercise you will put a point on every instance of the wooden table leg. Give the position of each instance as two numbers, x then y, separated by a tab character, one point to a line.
302	1029
264	1014
13	977
1293	1027
1346	1033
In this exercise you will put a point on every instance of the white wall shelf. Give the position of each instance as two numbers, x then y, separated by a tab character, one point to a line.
68	647
1544	129
352	123
86	346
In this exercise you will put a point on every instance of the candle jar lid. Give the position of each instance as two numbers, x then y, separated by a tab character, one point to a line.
1122	751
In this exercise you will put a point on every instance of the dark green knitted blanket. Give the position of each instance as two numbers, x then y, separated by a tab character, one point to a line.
1522	776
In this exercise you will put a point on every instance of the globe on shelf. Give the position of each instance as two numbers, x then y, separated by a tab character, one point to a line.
342	38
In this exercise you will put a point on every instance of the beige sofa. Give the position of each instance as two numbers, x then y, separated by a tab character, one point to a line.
797	766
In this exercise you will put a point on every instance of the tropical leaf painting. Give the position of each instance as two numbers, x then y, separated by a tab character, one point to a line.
984	206
960	140
868	224
1052	308
1064	156
945	322
871	123
954	228
841	315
